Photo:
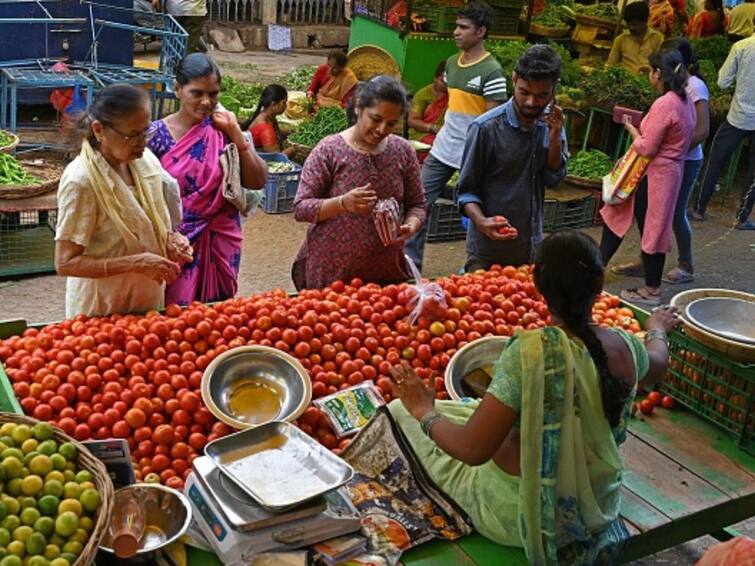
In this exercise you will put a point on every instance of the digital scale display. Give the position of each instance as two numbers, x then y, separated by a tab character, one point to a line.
217	529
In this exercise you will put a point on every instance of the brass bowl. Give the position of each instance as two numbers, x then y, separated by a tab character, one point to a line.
263	376
168	514
475	355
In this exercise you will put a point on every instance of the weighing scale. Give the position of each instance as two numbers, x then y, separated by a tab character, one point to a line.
237	528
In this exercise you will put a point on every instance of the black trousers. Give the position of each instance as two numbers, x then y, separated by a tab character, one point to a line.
610	242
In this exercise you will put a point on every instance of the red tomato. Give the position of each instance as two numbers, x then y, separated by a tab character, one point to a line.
646	406
655	398
668	402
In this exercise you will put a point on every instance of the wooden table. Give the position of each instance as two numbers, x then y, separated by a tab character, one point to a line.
684	478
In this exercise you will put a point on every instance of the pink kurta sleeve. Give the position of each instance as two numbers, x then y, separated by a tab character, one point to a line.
314	185
415	202
653	128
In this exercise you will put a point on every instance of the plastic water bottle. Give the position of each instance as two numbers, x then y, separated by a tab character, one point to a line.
127	524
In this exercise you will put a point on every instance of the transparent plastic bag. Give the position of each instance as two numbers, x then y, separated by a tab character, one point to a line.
426	299
387	217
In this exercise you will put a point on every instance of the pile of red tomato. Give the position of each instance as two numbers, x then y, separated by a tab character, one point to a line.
138	377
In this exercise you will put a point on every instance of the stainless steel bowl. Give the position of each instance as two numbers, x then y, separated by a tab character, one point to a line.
168	514
275	369
731	318
475	355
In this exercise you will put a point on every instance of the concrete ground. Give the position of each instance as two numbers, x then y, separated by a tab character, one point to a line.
723	258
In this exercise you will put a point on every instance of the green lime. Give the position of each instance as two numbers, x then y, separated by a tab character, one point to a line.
15	452
27	502
17	547
43	431
8	442
53	487
60	562
45	525
84	475
68	451
3	552
5	537
86	523
36	543
32	485
7	428
12	466
29	445
57	540
22	533
21	433
13	487
55	475
71	558
87	485
12	559
11	523
3	446
48	505
71	490
68	475
3	511
38	561
29	457
52	551
58	462
66	524
29	516
80	535
40	465
48	447
73	546
90	500
71	466
72	505
12	504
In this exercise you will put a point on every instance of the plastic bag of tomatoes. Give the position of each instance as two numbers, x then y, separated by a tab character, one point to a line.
426	299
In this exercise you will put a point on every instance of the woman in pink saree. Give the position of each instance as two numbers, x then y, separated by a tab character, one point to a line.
189	144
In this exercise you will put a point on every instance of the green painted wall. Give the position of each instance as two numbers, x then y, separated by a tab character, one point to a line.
422	55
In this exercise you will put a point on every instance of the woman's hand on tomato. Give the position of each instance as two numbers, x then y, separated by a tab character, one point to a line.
416	397
491	227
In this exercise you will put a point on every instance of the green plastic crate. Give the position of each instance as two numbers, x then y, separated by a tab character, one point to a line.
505	21
568	214
711	385
8	401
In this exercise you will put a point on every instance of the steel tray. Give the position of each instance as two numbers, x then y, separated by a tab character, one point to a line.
278	465
731	318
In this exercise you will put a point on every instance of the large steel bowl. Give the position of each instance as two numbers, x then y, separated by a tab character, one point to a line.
475	355
168	514
266	365
725	316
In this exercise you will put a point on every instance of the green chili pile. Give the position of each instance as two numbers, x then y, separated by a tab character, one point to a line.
601	10
11	172
590	164
326	122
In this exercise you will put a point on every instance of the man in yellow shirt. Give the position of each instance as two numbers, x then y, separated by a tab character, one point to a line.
632	48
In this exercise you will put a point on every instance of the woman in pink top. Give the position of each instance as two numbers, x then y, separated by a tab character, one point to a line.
664	135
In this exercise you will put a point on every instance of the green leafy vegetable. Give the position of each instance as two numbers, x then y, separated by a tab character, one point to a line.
601	10
714	48
590	164
298	78
326	122
248	94
551	17
615	86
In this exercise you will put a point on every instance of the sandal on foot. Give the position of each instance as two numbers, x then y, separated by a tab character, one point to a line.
636	297
696	216
678	275
629	269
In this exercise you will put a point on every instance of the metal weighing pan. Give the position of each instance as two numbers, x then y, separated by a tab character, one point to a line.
278	465
731	318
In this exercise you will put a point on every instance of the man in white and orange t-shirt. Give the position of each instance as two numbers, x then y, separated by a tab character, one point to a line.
475	84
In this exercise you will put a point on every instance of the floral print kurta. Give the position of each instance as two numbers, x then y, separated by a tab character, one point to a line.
348	245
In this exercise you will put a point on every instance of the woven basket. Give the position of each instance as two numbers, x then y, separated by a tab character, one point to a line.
84	461
301	152
12	145
549	31
743	353
367	61
583	182
48	173
595	22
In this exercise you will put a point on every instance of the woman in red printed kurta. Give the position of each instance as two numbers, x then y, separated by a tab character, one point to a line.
342	180
664	135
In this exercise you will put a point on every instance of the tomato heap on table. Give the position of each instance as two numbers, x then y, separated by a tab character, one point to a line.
139	377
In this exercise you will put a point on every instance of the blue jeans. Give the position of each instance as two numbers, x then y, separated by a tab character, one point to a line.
682	229
435	176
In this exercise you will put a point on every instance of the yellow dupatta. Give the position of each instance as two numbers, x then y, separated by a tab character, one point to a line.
334	91
135	215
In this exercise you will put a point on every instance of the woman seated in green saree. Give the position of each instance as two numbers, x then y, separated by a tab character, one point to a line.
535	463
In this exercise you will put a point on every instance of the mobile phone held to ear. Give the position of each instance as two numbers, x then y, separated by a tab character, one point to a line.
635	116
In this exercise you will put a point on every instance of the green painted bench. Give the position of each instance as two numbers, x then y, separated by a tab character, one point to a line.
684	478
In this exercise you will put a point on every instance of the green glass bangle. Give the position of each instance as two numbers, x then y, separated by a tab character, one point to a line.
430	418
